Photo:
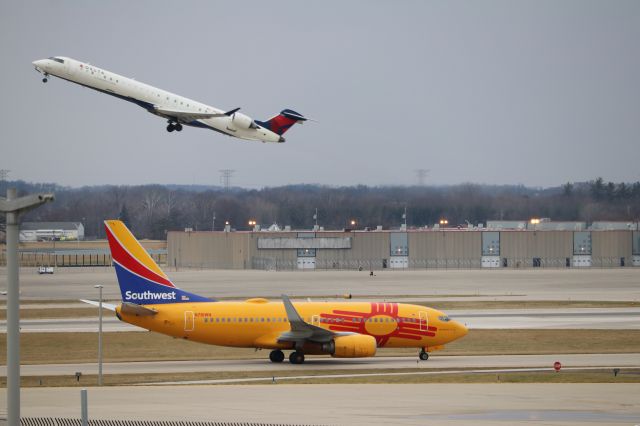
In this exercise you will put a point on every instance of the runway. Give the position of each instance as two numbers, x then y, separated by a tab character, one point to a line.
327	363
583	318
504	284
439	404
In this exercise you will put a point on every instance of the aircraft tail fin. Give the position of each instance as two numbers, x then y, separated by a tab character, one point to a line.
140	278
283	121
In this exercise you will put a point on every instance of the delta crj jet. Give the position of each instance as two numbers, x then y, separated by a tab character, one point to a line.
340	329
178	110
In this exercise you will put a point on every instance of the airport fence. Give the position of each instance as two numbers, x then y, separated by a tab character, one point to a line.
71	258
274	264
59	421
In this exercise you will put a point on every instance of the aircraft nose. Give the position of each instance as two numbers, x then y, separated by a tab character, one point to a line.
461	330
40	63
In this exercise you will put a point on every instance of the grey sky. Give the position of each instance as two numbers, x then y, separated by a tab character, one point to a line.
538	92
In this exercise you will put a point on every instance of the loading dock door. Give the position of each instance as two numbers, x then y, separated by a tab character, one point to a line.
306	263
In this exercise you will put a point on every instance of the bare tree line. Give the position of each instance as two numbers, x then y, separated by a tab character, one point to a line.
152	210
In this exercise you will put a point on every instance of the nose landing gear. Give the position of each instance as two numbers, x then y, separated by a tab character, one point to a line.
424	355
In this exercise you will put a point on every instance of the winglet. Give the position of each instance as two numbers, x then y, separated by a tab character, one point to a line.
296	321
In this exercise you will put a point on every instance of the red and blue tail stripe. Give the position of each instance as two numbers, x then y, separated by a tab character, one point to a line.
282	122
141	280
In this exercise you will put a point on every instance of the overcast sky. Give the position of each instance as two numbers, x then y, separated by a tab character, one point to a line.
500	92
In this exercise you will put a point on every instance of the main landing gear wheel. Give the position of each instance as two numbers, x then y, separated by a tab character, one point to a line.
276	356
296	357
423	355
174	126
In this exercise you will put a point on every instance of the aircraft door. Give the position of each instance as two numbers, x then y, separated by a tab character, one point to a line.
189	321
315	320
424	321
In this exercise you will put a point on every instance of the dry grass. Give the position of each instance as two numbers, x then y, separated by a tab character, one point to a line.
526	304
51	348
575	376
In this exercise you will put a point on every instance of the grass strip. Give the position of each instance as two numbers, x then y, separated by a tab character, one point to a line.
629	375
55	348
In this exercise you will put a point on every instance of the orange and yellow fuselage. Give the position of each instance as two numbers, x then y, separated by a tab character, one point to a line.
257	323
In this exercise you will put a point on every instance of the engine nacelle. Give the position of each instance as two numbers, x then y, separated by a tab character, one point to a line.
243	121
351	346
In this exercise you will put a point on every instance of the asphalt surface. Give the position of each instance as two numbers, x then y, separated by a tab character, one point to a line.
328	363
428	404
477	284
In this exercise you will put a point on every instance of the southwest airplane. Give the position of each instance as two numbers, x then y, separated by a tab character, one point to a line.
178	110
340	329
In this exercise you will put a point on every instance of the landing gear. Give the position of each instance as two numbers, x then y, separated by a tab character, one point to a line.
174	126
276	356
424	355
45	78
296	357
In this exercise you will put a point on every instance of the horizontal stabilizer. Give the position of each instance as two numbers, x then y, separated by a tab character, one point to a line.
139	310
108	306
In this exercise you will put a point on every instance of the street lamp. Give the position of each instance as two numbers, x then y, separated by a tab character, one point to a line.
99	287
14	207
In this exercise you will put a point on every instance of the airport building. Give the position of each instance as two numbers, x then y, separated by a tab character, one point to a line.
573	245
51	231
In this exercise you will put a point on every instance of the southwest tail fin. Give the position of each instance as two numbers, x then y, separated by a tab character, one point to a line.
140	278
283	121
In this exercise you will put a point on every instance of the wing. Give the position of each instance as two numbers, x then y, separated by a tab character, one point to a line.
183	116
302	331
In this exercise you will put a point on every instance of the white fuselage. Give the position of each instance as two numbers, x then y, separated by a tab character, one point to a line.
156	101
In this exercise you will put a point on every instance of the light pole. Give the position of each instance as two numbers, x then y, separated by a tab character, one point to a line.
99	287
14	207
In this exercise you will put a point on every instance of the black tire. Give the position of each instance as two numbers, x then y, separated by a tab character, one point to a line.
424	355
296	357
178	127
44	80
170	128
276	356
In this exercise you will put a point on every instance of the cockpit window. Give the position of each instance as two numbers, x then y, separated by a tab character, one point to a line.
444	318
53	58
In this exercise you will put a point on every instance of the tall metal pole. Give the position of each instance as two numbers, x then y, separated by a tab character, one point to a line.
99	336
84	408
13	317
13	207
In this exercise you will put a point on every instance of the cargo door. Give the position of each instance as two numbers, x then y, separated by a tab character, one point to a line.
424	321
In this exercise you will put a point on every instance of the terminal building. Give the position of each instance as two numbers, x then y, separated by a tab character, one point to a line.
543	244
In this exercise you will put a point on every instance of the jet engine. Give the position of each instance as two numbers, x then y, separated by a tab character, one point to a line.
243	121
351	346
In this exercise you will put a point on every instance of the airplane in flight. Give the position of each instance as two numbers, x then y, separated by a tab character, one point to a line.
340	329
178	110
